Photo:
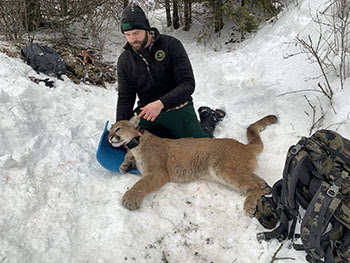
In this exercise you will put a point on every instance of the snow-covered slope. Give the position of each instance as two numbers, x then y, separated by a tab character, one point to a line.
57	204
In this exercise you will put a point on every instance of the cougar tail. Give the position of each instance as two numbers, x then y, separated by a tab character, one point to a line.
253	132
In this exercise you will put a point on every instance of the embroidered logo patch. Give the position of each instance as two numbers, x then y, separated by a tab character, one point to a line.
160	55
126	26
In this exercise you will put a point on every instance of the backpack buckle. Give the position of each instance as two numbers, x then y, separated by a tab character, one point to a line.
333	190
261	237
314	254
296	148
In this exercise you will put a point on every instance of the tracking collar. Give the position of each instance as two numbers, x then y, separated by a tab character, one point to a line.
133	143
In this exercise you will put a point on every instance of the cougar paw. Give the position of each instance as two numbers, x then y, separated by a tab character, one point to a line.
250	204
131	201
125	167
250	209
267	190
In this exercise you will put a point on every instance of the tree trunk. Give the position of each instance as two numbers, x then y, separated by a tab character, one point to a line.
32	16
125	3
64	7
176	19
187	14
5	22
218	22
168	13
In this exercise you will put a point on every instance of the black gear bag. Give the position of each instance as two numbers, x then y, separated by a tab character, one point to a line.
314	194
44	59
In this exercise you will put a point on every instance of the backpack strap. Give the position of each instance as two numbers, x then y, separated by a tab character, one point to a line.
302	165
289	182
281	232
328	245
343	246
320	210
279	194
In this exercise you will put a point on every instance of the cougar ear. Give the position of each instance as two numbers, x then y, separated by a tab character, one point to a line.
134	122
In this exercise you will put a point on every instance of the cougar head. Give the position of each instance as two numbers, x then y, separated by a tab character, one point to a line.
121	133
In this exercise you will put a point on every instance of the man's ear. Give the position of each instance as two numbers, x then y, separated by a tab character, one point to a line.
134	122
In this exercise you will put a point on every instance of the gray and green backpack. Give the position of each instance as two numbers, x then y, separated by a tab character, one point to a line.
314	194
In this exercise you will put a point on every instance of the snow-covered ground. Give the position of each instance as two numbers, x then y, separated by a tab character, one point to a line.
57	204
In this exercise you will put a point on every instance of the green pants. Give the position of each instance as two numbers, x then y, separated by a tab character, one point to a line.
179	123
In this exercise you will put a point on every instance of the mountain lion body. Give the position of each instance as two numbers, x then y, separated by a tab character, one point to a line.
160	160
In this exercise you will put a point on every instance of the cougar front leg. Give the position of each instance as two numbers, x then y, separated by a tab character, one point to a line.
128	164
147	184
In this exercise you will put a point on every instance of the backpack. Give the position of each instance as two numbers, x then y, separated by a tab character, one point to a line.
315	181
44	59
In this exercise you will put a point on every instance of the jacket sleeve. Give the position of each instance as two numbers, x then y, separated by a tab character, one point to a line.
126	93
183	74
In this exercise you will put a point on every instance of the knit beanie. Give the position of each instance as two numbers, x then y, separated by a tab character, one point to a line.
133	17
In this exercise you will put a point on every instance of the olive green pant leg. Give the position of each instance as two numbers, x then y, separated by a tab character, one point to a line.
179	123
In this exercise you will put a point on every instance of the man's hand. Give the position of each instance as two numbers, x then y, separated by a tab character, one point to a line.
151	110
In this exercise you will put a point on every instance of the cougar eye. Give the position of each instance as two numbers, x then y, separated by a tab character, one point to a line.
118	138
115	130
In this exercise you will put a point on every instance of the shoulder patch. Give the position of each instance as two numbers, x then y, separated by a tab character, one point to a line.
160	55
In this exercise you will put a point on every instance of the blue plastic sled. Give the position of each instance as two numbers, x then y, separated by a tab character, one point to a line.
109	157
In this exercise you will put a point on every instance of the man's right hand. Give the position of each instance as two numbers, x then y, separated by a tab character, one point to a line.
151	111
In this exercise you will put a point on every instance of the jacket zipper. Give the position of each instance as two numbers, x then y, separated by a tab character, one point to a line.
148	69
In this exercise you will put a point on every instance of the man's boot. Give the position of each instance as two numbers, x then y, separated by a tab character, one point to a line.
209	118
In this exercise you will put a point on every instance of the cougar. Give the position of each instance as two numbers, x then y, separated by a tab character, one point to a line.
161	160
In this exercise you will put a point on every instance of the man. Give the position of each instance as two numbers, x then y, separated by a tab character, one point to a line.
156	68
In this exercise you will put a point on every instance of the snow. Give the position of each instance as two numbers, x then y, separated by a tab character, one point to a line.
57	204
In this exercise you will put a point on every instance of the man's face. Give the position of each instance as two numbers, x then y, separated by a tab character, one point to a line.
137	38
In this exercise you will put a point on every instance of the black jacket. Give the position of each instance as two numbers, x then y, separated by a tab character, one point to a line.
169	76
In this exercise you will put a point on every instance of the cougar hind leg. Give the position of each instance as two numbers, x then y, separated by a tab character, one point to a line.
251	185
264	187
254	192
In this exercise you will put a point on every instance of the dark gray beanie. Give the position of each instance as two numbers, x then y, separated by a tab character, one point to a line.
133	17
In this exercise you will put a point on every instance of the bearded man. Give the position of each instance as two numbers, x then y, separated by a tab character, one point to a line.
156	68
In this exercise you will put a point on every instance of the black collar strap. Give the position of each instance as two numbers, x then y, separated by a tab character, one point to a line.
133	143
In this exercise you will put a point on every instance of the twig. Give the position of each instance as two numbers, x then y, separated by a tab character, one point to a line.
315	123
309	48
275	258
338	124
330	99
324	91
164	259
297	91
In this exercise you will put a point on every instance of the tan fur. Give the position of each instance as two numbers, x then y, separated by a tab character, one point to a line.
182	160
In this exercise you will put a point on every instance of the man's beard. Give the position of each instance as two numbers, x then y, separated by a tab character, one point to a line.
139	45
